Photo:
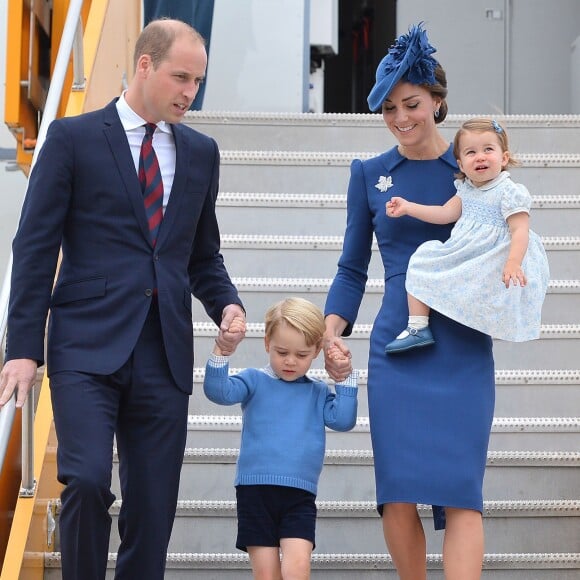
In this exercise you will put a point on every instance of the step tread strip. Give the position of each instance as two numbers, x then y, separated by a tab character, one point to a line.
531	561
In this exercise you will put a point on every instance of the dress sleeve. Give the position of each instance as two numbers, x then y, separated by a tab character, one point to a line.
348	287
459	185
515	199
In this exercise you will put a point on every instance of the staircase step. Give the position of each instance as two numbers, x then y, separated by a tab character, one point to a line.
325	214
367	132
519	393
258	294
328	172
556	347
348	475
366	566
347	527
317	256
508	433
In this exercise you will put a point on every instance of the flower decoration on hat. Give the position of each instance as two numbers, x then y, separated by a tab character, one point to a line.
409	58
384	183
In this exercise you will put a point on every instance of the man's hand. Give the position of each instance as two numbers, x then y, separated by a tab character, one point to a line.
232	329
17	375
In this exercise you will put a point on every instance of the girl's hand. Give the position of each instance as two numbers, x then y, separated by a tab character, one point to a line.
396	207
513	274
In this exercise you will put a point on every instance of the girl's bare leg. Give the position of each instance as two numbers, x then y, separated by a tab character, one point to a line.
405	540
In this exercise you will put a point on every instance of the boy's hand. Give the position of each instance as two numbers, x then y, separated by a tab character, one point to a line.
337	358
232	331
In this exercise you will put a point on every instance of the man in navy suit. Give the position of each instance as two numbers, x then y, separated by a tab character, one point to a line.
120	341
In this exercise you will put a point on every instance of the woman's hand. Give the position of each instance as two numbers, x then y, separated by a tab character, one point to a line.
337	358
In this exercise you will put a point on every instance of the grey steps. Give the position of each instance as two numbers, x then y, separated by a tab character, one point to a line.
367	132
328	172
325	214
312	256
354	527
507	434
556	348
519	393
562	299
348	475
366	566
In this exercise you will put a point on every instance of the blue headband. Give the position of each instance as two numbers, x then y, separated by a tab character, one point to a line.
409	58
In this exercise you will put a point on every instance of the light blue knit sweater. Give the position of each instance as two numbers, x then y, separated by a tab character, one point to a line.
283	434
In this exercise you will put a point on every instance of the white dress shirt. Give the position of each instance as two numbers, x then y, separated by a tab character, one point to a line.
163	143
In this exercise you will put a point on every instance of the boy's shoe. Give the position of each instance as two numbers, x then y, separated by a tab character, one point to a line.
415	339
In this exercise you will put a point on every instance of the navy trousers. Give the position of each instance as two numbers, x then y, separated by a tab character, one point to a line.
141	408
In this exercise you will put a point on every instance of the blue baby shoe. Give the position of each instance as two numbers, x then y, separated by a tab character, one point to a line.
415	339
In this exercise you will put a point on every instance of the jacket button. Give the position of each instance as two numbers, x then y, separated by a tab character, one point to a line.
148	292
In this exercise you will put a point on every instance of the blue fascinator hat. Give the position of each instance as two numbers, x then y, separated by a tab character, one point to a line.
409	59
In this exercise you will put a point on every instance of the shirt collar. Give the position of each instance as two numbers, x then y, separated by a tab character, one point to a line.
491	184
270	372
131	120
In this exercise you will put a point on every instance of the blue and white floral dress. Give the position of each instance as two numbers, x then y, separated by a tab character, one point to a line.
462	277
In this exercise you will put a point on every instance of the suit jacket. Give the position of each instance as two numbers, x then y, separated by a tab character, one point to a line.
84	197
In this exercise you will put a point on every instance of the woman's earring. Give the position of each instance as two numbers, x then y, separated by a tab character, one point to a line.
436	113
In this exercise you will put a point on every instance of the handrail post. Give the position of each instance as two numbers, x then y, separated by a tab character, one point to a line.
59	72
28	488
6	421
79	80
4	296
72	31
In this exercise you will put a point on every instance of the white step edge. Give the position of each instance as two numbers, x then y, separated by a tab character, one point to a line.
502	377
334	243
305	200
360	120
530	561
365	457
363	331
500	424
344	158
329	509
373	286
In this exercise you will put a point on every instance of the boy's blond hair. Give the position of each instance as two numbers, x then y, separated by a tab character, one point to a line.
300	314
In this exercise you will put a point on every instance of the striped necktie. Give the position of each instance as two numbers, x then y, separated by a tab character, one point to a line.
151	182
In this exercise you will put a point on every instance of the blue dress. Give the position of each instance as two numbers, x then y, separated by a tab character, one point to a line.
462	277
431	409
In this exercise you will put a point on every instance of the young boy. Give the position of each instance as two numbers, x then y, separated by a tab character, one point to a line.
283	438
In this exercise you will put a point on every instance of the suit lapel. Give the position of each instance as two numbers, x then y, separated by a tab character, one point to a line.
121	153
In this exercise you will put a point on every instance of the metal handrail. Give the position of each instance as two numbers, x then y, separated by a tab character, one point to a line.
70	43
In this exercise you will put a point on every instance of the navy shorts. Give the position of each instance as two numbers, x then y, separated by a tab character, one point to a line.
267	513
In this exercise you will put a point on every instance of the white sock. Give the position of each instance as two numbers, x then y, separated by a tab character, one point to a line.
416	322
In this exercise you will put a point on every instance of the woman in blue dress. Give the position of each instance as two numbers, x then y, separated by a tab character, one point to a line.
430	410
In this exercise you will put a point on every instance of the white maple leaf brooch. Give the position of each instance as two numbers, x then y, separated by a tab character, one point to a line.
384	183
